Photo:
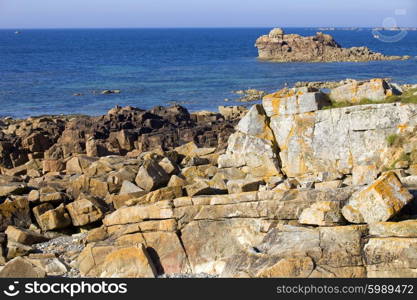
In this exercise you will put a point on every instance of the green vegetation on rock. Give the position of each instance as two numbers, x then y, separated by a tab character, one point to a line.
407	97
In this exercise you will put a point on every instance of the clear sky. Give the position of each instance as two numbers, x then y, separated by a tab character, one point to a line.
204	13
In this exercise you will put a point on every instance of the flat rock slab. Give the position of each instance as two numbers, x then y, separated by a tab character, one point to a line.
21	268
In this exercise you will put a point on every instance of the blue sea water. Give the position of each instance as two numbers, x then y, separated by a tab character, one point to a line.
41	70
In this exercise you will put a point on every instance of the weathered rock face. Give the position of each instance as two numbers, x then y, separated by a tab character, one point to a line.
117	262
252	146
303	252
281	47
335	142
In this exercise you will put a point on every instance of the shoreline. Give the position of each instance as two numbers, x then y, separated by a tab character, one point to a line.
239	101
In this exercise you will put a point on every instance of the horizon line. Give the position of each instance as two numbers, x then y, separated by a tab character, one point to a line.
200	27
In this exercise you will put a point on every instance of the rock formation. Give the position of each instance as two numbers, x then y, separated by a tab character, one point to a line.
280	47
300	191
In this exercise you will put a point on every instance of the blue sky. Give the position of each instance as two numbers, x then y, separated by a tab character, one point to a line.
203	13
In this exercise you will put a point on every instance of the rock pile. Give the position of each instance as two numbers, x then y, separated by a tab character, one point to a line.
120	131
280	47
300	191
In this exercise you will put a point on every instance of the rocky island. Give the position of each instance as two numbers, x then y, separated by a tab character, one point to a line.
306	184
280	47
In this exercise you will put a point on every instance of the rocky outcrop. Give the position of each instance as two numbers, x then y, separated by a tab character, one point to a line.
330	144
302	190
120	131
280	47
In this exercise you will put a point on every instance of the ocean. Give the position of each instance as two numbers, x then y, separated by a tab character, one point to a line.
41	70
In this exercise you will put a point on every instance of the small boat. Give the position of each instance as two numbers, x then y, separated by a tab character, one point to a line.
17	32
376	36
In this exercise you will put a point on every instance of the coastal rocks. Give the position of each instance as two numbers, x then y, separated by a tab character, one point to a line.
292	267
294	101
12	189
406	228
135	214
202	187
232	112
120	131
355	91
21	268
129	188
378	202
391	257
51	265
243	185
116	262
321	84
323	213
252	146
281	47
24	236
128	263
209	255
250	95
151	176
279	201
335	142
78	164
84	210
15	212
307	252
50	218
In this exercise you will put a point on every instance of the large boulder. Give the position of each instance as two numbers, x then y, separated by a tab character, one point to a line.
134	214
128	263
294	101
85	210
17	188
116	262
24	236
50	218
51	265
151	176
253	146
355	91
21	268
378	202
